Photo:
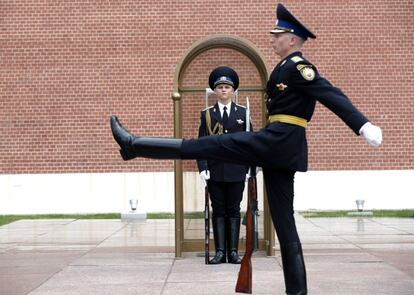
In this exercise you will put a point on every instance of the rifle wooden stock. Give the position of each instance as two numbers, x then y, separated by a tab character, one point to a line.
244	281
206	226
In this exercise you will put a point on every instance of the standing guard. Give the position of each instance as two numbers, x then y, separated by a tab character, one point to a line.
225	180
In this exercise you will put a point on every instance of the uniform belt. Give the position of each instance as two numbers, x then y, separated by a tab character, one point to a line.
288	119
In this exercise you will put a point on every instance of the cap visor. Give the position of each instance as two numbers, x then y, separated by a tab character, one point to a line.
278	30
223	82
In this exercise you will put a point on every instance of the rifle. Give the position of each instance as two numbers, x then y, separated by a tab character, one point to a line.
207	207
244	280
207	226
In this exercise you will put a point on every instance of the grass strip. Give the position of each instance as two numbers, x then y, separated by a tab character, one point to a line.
5	219
344	213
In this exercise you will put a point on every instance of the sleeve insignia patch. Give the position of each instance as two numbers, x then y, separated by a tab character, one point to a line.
240	121
306	71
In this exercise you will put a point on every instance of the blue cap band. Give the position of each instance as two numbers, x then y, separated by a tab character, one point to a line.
223	80
296	29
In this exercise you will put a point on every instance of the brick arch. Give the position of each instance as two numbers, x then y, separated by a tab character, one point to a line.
194	81
191	79
190	82
242	45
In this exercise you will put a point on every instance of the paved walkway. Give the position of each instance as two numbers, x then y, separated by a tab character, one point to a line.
343	256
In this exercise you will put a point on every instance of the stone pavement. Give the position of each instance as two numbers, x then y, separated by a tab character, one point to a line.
67	256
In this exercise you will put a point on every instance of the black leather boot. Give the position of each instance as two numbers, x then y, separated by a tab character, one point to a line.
219	231
294	269
233	230
148	147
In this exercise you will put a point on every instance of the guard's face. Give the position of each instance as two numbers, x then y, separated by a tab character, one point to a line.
281	43
224	92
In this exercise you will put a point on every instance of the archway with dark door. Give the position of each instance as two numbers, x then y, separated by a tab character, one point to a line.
189	97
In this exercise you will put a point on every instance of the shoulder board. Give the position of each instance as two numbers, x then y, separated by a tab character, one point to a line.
207	108
241	106
301	66
296	59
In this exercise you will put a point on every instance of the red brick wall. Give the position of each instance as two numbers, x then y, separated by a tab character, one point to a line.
65	66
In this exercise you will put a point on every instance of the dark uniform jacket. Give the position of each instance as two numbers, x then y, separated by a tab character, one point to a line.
219	170
293	89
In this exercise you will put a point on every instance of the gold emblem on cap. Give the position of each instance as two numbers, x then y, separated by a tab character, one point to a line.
306	71
281	86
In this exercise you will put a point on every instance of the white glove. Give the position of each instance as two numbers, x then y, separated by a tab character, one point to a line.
204	175
372	134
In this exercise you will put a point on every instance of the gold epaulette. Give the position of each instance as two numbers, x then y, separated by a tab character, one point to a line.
207	108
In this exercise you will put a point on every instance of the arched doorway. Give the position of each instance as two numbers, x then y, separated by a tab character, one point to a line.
189	99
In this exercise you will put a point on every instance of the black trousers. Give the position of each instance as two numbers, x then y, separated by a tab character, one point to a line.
226	198
279	181
279	187
276	146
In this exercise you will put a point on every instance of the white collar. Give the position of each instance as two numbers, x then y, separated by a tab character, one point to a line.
221	106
